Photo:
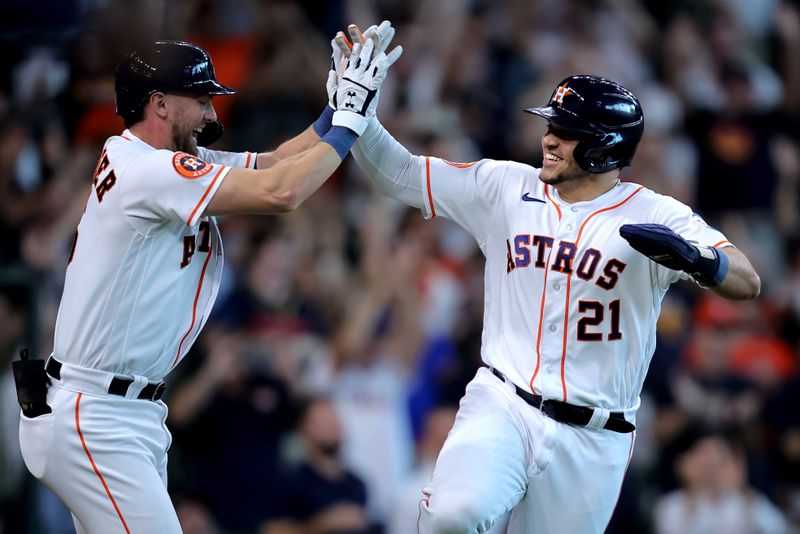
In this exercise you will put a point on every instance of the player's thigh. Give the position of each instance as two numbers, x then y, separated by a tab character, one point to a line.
140	504
117	491
482	470
579	489
110	466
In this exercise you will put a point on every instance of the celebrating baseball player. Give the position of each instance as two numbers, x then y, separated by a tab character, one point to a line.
144	272
577	263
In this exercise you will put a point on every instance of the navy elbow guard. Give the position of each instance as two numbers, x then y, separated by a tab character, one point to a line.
710	267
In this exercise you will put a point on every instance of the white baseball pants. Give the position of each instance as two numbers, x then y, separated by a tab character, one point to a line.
105	456
504	455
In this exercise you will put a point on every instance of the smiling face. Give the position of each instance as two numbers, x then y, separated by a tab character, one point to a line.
559	165
190	113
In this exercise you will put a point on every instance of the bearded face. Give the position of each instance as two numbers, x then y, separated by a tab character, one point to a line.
190	113
184	136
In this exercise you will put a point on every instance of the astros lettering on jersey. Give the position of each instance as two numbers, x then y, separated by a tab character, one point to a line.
558	317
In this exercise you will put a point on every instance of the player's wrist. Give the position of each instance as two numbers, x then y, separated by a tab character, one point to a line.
323	122
341	139
710	268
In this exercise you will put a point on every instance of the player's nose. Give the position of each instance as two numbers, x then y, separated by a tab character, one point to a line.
211	113
549	140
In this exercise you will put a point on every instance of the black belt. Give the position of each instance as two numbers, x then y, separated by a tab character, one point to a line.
569	413
119	384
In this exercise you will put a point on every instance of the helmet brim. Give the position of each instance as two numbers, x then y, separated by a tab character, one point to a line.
565	119
209	87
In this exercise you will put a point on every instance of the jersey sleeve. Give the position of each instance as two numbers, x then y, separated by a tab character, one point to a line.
685	222
466	193
168	186
238	160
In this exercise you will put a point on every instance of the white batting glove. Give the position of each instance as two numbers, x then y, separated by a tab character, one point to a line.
359	85
382	36
338	64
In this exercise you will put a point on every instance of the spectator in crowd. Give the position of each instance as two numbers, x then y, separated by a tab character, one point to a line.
321	495
231	415
438	423
715	496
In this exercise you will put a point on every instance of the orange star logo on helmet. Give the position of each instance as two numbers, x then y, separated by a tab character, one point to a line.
559	94
190	166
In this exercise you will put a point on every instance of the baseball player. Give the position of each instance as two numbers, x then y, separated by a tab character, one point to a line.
145	268
577	263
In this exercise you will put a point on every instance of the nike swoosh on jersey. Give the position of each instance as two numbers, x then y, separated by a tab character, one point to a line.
527	198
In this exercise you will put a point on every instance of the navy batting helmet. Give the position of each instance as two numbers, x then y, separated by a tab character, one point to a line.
168	66
605	116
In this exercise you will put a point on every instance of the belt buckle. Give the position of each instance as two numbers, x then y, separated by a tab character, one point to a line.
548	409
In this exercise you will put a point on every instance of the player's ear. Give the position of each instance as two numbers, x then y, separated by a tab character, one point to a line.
158	104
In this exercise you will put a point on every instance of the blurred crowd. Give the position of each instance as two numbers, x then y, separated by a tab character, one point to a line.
319	394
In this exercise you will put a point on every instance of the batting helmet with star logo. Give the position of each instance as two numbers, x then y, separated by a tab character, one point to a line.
605	117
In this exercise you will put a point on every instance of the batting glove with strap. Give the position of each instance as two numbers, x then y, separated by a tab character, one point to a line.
342	47
338	64
656	241
382	35
360	83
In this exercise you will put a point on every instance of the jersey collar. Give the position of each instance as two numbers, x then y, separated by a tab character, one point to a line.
610	197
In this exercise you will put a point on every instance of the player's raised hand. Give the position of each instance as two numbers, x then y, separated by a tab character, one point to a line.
362	78
338	64
341	47
664	246
381	35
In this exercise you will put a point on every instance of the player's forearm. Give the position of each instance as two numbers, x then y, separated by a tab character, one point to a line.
278	189
295	178
741	282
287	149
393	170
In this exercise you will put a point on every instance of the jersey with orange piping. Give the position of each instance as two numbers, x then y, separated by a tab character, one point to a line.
571	308
146	263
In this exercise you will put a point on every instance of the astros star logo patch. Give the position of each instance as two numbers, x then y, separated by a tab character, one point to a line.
559	94
190	166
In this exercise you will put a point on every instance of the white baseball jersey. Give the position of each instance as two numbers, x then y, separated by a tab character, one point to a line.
570	306
570	314
146	263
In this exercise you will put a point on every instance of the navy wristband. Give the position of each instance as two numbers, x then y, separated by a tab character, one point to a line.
323	123
341	139
711	272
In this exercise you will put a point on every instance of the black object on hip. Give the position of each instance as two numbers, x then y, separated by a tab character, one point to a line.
31	383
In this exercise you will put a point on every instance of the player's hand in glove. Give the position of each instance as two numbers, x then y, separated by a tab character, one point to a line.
381	36
338	65
360	83
656	241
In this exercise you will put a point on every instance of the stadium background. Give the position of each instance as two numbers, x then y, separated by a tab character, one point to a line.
354	303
